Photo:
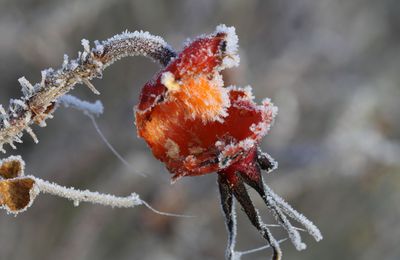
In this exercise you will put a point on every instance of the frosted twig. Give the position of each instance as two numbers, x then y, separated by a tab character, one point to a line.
17	191
78	196
38	100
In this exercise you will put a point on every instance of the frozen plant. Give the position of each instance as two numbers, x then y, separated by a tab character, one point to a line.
191	121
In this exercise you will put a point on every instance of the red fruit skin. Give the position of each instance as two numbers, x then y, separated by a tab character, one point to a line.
194	59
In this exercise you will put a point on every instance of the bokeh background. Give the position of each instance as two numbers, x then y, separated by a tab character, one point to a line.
332	68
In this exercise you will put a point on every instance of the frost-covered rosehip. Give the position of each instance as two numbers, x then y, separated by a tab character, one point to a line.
196	125
191	121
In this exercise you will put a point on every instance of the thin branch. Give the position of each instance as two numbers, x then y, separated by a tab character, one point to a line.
94	197
38	101
17	191
78	196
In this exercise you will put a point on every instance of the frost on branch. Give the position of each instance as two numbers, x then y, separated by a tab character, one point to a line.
38	101
17	191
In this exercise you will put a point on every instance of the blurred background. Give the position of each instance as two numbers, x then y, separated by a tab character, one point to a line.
332	68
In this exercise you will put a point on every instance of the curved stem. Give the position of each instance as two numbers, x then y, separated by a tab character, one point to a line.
38	100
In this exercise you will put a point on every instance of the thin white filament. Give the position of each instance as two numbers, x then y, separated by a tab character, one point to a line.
92	110
165	213
113	150
239	254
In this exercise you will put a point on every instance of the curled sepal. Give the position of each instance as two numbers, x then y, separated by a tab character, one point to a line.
17	191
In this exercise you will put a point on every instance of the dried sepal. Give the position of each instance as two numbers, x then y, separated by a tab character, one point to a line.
17	194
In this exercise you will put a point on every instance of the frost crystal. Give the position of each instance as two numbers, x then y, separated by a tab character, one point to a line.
231	58
168	80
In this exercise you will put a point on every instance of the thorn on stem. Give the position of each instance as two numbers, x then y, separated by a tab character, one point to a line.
32	134
91	86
